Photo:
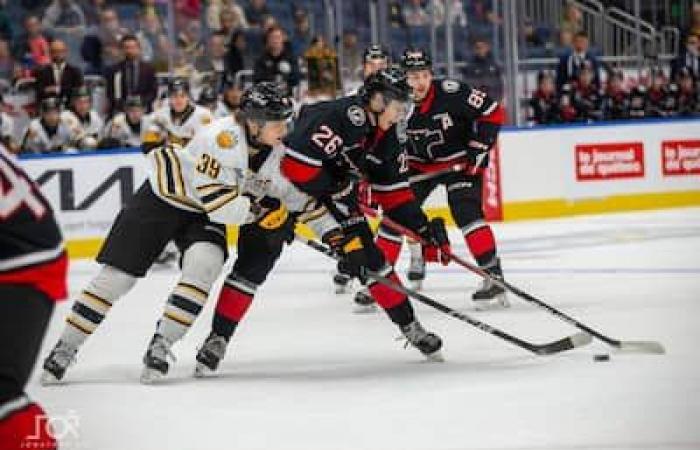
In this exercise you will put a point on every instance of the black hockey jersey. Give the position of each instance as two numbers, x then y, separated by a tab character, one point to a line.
441	126
325	135
31	246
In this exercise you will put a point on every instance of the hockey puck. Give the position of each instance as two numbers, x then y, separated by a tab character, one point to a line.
601	357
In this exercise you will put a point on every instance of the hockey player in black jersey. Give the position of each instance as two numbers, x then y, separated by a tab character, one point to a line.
33	266
335	143
451	124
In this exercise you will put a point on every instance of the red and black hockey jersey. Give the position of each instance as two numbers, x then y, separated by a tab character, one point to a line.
441	126
319	150
31	246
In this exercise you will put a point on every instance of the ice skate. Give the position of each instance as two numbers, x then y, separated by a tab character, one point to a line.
342	283
416	273
429	344
364	303
156	360
56	364
210	354
490	295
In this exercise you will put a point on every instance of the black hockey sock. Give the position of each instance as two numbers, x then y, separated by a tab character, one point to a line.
401	314
223	326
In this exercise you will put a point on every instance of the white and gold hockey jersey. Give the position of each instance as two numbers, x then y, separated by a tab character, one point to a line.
121	130
162	126
7	130
85	133
223	110
38	139
212	175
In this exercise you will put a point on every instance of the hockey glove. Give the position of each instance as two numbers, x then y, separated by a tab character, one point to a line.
438	243
276	221
353	260
484	136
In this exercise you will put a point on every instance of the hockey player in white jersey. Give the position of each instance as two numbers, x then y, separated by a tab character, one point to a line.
178	121
7	131
190	194
48	133
124	130
230	101
85	123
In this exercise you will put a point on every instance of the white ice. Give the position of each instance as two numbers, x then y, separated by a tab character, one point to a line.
303	372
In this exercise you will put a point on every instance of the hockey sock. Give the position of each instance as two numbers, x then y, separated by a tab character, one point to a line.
201	265
24	425
389	243
234	300
94	303
394	303
480	241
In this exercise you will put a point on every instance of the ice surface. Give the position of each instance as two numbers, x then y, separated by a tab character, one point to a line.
305	373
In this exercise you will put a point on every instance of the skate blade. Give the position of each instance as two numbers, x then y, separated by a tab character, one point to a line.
499	302
48	379
435	357
365	309
151	376
202	371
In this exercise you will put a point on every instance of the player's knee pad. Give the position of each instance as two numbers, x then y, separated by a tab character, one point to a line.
201	264
111	284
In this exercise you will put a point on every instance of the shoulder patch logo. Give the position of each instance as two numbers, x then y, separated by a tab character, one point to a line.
206	120
357	115
225	139
450	86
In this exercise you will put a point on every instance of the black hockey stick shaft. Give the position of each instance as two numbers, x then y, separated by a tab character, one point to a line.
560	345
646	346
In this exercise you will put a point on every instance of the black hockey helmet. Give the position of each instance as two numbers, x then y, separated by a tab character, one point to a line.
266	101
133	101
178	85
415	59
79	92
50	104
375	51
391	83
207	96
229	81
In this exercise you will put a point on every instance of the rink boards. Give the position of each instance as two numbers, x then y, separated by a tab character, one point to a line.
535	173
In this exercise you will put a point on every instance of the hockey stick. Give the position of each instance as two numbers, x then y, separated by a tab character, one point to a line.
567	343
626	346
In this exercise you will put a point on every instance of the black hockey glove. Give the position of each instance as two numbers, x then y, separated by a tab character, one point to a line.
484	136
275	220
435	235
349	248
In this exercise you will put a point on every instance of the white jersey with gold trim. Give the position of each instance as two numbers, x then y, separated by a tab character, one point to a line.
119	129
91	128
211	174
162	125
36	138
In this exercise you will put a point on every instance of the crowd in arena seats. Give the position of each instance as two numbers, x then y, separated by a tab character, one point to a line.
120	53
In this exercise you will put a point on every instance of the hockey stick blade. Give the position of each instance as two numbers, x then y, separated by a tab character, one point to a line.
574	341
650	347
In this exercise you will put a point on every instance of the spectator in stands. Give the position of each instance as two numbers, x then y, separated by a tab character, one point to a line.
482	71
688	94
301	34
100	48
396	14
7	62
565	41
189	40
188	10
694	27
322	67
544	104
459	15
415	14
64	14
616	98
57	79
255	12
688	58
230	23
217	7
93	10
149	30
235	55
572	19
33	45
587	98
132	76
214	59
571	63
277	63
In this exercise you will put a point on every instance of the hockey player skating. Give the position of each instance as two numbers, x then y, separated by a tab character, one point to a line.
190	193
452	123
335	143
33	267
